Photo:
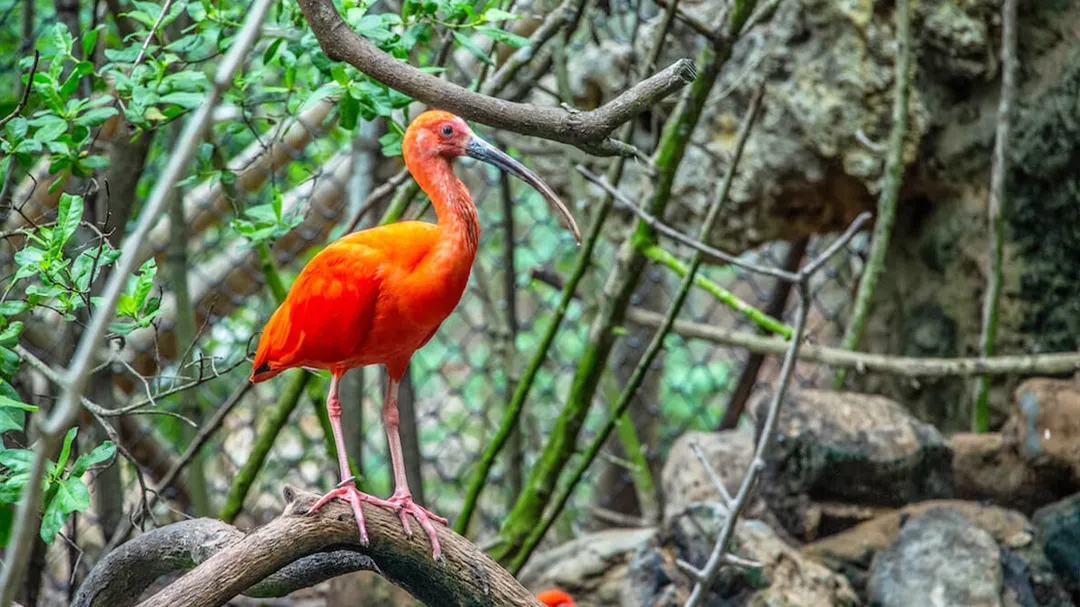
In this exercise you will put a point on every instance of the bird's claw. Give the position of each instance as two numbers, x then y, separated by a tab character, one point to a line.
403	503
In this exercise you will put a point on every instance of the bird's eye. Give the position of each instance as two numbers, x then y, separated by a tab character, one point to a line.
447	130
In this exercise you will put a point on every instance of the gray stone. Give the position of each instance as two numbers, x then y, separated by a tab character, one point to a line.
686	481
1058	528
853	448
939	559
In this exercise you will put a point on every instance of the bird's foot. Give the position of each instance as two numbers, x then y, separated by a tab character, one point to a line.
347	492
402	501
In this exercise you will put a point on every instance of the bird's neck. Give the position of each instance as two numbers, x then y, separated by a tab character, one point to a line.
458	222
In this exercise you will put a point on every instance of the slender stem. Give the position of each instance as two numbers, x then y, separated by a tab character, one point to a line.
894	175
53	428
980	418
767	323
644	365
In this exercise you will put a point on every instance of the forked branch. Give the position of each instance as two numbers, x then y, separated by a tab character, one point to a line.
589	130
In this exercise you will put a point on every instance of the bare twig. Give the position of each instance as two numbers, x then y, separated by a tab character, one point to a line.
671	232
980	416
555	21
52	428
207	430
890	191
26	92
704	577
589	131
150	36
713	476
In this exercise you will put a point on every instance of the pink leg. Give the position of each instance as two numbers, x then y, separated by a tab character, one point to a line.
346	490
402	496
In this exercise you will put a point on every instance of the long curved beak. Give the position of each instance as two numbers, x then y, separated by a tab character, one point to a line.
481	150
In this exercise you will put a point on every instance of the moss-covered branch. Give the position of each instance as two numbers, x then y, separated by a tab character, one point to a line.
890	191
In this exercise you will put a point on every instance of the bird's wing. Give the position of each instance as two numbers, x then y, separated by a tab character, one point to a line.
330	308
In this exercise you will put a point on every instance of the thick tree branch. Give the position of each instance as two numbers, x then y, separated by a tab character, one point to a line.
294	551
589	131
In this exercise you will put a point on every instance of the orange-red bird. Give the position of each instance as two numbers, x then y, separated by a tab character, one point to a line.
376	296
556	598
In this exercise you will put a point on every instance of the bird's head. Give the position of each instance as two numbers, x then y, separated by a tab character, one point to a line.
556	598
439	134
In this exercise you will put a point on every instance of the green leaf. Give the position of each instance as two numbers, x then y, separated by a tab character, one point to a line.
507	38
373	28
349	109
10	336
65	451
494	15
330	89
13	307
89	41
17	460
62	38
16	128
11	419
49	128
7	402
103	452
95	116
184	99
471	46
11	489
145	282
71	495
68	216
271	51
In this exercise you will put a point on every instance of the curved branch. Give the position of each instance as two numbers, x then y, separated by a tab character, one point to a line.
120	577
296	551
589	131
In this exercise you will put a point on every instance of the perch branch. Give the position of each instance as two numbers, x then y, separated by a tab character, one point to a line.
464	576
26	92
53	428
890	191
980	416
589	131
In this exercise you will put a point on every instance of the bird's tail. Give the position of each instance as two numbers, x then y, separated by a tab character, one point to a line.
265	366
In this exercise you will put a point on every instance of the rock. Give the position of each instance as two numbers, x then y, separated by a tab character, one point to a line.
853	448
784	578
592	568
991	467
940	558
852	551
1045	426
1058	528
686	481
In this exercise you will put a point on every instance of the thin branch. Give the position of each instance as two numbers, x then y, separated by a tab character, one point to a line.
205	432
26	92
671	232
53	428
559	18
713	476
890	191
150	36
719	555
644	364
589	131
980	416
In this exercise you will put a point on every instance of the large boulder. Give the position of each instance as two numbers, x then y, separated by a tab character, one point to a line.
1026	569
1059	535
857	449
939	559
686	481
992	467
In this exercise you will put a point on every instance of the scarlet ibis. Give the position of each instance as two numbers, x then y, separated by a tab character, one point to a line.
556	598
374	297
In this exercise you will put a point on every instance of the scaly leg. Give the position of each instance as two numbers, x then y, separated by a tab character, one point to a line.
402	497
346	490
